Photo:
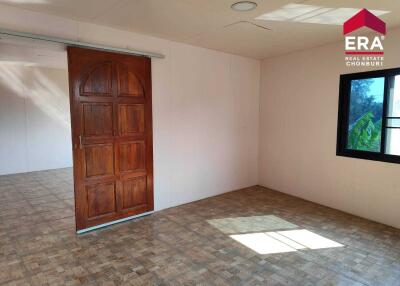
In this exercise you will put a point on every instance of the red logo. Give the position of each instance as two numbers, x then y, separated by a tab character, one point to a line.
364	18
363	45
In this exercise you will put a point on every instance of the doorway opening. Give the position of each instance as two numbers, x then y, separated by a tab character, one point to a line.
36	181
76	125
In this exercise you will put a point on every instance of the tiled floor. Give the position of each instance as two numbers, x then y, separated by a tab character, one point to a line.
248	237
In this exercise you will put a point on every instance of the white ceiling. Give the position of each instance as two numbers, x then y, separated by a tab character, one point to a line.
204	22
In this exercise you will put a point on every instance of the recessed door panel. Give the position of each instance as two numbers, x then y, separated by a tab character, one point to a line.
98	81
131	119
97	119
111	134
132	156
99	160
101	200
128	83
134	192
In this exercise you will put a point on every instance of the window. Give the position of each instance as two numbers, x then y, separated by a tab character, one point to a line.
369	116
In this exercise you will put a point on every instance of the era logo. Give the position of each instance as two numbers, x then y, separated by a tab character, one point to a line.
356	45
363	44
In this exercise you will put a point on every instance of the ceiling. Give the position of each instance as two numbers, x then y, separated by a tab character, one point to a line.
207	23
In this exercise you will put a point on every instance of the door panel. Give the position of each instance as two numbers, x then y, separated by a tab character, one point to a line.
131	119
111	134
134	192
99	160
98	81
97	119
101	200
132	156
128	83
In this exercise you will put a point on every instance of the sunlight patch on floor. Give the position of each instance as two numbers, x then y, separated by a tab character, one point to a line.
284	241
251	224
309	239
262	243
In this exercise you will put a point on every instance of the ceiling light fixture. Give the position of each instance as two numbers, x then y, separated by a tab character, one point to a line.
244	6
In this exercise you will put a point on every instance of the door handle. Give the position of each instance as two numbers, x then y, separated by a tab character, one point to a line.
80	141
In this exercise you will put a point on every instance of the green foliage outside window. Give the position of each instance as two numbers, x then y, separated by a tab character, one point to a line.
365	115
365	135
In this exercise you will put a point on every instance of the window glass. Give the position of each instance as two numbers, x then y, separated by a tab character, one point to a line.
393	122
394	98
365	114
393	141
392	133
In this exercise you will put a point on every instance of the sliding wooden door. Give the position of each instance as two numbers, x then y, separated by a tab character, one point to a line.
111	117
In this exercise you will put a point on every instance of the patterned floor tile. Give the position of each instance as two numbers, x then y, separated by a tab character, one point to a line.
187	245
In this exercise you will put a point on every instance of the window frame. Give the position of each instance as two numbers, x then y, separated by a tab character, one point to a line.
343	116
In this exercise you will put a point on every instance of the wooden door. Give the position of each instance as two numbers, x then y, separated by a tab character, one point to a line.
111	118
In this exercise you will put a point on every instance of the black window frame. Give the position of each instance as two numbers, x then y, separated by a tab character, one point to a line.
343	116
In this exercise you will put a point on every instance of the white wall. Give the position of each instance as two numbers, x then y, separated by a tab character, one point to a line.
298	121
205	108
35	132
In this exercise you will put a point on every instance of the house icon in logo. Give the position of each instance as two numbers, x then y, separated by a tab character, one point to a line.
364	18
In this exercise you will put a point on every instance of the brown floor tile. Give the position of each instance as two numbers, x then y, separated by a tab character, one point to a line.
190	244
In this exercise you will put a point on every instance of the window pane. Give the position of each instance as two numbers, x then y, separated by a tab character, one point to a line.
394	98
393	122
393	135
365	114
393	141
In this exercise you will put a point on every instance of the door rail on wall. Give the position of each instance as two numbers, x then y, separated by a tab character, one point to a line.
79	44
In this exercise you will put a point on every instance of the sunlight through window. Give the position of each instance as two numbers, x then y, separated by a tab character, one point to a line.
43	92
309	239
284	241
312	14
238	225
262	243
